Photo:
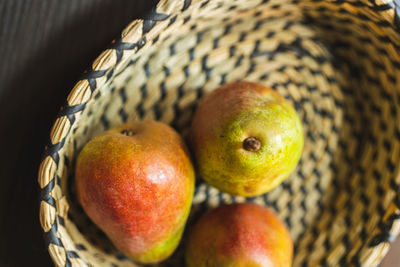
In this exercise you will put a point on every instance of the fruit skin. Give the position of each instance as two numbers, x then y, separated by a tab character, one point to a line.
136	183
239	235
229	115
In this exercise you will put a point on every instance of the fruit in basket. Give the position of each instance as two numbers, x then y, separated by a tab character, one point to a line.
136	183
239	235
246	138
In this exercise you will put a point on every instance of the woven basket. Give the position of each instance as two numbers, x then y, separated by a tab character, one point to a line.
338	62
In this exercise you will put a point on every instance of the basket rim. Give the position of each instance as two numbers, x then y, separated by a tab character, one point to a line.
133	38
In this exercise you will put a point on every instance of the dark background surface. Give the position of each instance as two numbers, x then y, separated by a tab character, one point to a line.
45	45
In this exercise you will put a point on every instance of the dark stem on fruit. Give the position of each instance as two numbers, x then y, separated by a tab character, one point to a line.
251	144
127	132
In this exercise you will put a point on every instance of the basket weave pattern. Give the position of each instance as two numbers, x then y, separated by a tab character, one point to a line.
338	62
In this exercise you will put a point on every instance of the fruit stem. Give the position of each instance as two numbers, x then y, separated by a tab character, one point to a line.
251	144
127	132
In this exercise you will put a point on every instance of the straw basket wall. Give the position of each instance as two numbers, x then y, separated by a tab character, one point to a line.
337	61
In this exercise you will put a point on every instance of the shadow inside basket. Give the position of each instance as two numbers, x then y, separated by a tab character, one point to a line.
336	87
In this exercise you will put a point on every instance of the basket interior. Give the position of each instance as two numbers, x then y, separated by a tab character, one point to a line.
338	64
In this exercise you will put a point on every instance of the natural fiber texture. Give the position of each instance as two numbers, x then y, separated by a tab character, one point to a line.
338	62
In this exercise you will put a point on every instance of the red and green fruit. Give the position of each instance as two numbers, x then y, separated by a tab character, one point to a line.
239	235
136	183
246	138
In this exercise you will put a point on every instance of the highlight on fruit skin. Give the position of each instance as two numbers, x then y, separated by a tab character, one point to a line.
246	138
239	235
136	183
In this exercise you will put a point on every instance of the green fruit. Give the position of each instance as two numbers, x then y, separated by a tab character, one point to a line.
246	138
136	183
239	235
